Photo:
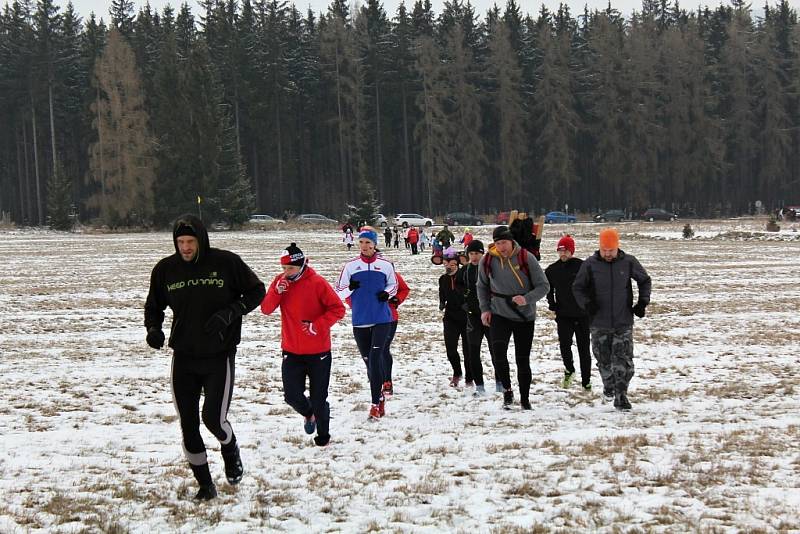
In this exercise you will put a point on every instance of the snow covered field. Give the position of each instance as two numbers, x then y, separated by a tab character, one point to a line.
89	439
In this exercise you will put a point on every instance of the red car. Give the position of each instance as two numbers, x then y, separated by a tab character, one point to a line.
502	217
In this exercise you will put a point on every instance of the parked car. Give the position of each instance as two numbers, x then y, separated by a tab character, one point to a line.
412	219
559	217
657	214
789	213
265	220
220	226
379	219
502	217
610	215
460	217
314	218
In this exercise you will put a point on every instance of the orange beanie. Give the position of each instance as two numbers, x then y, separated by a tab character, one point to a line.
609	238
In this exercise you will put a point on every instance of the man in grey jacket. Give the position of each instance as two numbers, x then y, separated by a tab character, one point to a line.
603	288
510	281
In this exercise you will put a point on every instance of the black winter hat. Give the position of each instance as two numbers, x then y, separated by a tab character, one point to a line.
184	228
476	245
293	256
502	232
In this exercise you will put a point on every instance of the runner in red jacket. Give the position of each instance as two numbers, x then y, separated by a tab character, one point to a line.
309	308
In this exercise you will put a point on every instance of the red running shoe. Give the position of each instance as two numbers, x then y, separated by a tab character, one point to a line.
374	412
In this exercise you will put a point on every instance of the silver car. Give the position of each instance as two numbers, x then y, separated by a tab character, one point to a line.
265	220
314	218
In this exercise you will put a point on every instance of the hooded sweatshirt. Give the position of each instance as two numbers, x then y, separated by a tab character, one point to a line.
309	299
195	290
506	280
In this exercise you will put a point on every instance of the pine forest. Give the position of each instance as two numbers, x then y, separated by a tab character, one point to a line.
130	118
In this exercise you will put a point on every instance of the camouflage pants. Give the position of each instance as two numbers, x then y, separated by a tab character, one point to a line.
613	350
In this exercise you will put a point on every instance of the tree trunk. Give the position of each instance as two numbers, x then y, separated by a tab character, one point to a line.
236	118
279	148
255	178
342	156
52	125
101	150
406	147
36	165
379	153
20	175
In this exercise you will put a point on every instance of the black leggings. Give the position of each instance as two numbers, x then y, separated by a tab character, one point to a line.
388	361
579	326
500	333
371	342
475	334
213	376
453	330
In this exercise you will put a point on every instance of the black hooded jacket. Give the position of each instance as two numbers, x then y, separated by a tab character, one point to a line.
451	297
195	290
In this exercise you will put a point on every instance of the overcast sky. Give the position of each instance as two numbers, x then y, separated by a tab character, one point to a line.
100	7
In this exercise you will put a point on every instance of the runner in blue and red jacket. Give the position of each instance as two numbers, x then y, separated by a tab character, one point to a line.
370	281
309	308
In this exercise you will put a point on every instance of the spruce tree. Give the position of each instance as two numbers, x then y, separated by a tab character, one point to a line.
59	200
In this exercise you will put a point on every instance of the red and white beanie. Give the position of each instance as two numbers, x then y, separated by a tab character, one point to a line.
293	256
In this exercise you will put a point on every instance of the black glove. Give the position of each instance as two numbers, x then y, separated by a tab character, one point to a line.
638	310
155	337
394	301
354	284
222	319
383	296
552	306
591	308
441	306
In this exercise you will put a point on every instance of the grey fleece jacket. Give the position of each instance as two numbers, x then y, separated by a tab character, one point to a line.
507	279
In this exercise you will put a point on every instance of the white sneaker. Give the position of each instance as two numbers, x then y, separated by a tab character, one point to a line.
480	391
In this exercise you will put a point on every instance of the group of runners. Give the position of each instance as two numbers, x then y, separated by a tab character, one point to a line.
485	293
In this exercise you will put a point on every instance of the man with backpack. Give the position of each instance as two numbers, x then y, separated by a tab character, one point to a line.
510	282
445	237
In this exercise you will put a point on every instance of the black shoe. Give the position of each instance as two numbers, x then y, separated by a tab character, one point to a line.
206	493
233	466
622	403
526	404
322	441
508	399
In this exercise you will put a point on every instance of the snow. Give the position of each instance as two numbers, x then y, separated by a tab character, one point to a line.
90	440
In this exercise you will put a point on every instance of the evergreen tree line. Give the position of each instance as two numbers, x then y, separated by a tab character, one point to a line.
253	105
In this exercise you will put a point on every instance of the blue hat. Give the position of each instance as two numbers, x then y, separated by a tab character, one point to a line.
369	234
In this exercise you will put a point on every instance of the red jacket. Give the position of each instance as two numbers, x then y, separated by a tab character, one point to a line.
309	298
413	236
402	293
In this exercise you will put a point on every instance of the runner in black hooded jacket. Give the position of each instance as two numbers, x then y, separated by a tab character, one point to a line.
208	291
